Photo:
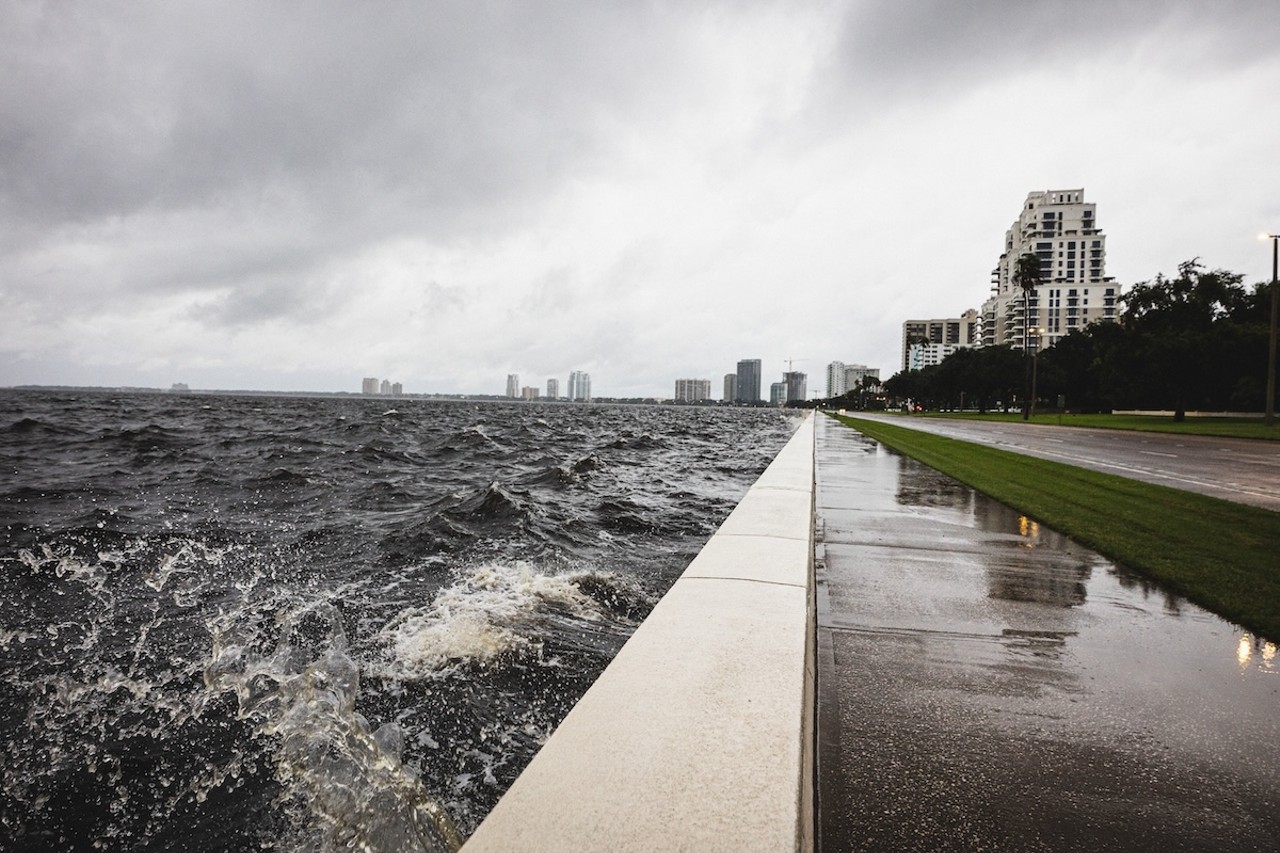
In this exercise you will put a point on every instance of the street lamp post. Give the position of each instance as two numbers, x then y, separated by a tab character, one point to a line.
1270	417
1035	362
1029	386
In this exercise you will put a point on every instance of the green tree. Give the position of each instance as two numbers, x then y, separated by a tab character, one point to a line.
1026	275
1183	347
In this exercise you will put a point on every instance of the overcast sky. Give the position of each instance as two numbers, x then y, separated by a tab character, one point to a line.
292	196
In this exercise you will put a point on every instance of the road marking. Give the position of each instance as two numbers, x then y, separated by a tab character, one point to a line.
1157	453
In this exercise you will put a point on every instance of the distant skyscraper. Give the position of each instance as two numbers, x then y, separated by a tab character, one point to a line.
797	386
854	374
749	380
528	393
693	390
836	383
385	388
369	385
777	393
553	389
730	387
397	389
513	385
580	386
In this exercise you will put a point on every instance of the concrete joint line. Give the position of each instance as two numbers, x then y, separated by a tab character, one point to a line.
786	584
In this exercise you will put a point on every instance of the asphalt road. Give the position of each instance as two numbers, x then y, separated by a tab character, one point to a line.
1230	468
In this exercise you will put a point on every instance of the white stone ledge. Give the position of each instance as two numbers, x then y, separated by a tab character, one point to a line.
698	736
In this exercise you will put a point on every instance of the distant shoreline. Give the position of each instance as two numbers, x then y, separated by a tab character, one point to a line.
355	395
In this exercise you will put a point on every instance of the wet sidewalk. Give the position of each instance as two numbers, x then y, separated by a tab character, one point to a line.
986	684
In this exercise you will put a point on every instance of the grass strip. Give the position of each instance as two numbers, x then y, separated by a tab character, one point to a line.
1221	555
1219	427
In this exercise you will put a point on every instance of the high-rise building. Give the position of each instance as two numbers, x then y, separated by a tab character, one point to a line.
528	392
796	383
842	378
580	386
938	338
749	381
553	389
513	385
856	374
777	393
730	387
1061	230
397	389
385	388
693	390
836	382
369	385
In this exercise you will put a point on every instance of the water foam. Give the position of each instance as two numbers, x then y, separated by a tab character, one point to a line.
346	778
490	612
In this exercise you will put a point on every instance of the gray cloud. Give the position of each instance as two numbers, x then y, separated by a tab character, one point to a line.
436	109
930	49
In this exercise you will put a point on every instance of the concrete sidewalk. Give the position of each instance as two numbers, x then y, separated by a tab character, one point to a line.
986	684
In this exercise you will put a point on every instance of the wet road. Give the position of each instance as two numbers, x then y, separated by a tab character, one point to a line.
986	684
1230	468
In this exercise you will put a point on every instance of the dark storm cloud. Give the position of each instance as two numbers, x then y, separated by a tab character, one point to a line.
422	111
932	48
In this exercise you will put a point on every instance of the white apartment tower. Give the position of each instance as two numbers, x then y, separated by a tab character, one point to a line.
580	386
553	389
836	384
1061	229
513	385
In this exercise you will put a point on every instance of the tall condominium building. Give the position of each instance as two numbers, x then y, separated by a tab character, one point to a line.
528	392
938	338
730	387
1061	230
369	385
693	390
397	389
836	383
553	389
749	381
580	386
385	387
777	393
513	385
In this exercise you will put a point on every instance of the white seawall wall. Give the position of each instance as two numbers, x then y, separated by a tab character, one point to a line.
699	734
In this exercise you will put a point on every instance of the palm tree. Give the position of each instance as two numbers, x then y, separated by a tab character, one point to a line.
1026	274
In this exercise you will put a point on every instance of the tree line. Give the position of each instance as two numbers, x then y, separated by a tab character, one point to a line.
1194	341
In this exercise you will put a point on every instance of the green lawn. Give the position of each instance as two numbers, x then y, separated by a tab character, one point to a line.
1225	427
1221	555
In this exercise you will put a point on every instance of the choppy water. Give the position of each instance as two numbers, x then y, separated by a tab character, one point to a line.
237	623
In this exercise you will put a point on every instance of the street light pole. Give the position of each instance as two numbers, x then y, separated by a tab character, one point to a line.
1035	363
1029	385
1270	417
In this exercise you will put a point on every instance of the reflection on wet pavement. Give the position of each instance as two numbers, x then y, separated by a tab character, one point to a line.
987	684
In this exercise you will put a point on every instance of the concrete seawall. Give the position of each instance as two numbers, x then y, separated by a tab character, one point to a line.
699	734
